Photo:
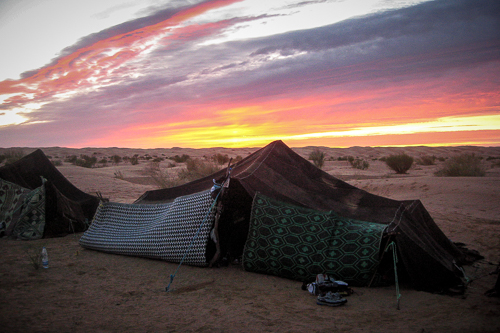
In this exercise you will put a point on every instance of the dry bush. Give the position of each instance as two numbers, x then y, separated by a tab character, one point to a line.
11	155
359	163
426	160
134	160
116	159
318	157
400	163
465	165
180	159
220	159
195	169
198	168
86	161
163	178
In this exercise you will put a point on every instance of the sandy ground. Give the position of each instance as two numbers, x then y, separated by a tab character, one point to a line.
90	291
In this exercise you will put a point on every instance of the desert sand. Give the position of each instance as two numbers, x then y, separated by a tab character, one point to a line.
90	291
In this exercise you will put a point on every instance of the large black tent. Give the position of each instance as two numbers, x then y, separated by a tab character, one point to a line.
67	208
428	257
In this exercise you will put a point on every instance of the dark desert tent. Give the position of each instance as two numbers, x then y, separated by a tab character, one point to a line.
66	208
426	255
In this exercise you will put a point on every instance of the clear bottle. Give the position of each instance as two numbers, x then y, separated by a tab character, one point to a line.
45	258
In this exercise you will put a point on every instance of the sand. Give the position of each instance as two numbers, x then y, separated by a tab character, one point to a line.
90	291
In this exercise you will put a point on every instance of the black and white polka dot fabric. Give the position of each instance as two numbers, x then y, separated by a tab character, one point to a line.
160	231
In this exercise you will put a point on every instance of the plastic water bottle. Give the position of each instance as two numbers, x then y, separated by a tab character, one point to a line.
45	258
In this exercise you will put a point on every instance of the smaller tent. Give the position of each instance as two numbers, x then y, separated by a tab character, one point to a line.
66	209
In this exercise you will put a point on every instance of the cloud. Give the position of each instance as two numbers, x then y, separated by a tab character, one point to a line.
415	63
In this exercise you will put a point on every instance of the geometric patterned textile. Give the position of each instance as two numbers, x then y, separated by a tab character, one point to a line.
11	199
161	231
299	243
31	222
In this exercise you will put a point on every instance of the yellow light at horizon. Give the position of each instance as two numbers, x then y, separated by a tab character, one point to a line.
196	135
252	136
445	124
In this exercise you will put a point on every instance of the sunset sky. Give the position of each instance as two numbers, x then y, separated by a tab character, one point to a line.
229	73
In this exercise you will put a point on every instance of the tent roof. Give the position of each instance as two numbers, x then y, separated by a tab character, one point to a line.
26	172
278	172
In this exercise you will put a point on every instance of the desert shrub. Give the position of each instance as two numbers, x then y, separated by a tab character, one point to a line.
426	160
400	163
71	159
180	159
103	162
465	165
197	168
318	157
162	178
57	162
237	158
157	159
119	175
342	158
86	161
220	159
34	254
134	160
359	163
11	155
116	159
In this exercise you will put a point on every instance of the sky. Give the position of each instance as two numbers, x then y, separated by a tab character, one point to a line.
243	73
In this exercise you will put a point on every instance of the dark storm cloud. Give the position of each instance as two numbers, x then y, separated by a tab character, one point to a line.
416	41
427	26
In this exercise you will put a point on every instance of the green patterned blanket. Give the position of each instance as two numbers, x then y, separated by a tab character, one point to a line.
299	243
22	211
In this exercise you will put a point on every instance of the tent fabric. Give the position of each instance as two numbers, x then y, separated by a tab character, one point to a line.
300	243
276	171
160	231
22	211
11	199
31	222
67	209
